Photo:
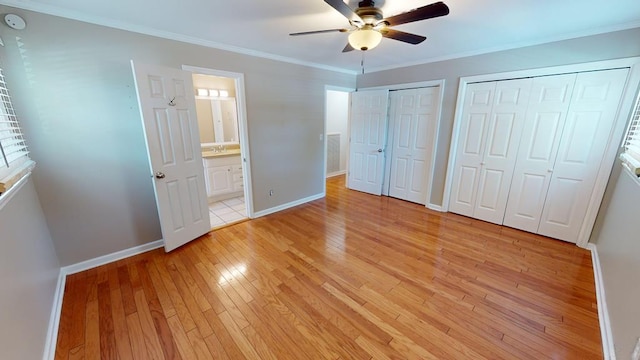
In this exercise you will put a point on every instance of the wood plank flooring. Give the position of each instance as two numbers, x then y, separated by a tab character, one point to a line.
352	276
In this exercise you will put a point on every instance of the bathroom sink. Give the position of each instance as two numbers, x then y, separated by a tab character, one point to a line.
230	152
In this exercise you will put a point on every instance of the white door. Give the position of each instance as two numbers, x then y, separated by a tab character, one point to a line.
501	149
167	106
367	135
478	102
412	143
546	114
492	120
587	131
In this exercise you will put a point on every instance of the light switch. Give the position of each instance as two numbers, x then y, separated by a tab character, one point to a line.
321	137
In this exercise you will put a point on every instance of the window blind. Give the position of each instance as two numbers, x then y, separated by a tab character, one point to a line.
631	155
14	159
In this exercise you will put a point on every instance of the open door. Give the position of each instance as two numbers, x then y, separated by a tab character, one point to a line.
167	107
367	136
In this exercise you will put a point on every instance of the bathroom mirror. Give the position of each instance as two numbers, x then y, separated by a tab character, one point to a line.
218	120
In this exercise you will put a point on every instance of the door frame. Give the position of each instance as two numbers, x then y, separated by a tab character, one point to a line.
613	144
324	131
241	104
406	86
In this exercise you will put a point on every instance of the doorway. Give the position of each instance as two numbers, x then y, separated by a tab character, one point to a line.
336	130
393	132
221	117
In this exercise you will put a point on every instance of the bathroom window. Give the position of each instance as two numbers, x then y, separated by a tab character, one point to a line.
14	155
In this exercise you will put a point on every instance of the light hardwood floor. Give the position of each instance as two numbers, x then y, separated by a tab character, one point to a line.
352	276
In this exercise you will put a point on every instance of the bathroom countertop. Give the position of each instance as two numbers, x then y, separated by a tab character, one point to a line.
212	154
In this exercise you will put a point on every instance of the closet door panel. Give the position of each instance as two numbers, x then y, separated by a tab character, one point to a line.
560	213
466	194
416	189
476	112
413	142
367	134
467	172
502	142
587	131
544	121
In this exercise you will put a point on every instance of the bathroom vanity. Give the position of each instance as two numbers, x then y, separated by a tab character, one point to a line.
223	174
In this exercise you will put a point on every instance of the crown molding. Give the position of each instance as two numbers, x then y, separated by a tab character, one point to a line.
75	15
511	46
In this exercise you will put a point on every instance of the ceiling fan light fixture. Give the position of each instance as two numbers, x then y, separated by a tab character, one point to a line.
365	39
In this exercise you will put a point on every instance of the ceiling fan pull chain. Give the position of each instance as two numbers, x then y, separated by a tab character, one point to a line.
362	62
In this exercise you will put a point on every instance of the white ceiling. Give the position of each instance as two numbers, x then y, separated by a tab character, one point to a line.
262	27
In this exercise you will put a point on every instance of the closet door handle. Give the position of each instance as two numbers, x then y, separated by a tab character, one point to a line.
159	175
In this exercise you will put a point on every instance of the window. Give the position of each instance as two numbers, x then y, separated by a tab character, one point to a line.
631	155
14	155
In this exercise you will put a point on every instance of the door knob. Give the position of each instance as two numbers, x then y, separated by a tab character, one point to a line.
159	175
379	150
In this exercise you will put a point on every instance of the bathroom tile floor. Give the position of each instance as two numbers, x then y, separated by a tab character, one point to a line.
227	211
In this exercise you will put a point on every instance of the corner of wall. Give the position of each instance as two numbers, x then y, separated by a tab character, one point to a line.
603	311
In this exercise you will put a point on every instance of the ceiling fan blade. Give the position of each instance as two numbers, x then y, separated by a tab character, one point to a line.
344	9
348	48
422	13
403	36
318	32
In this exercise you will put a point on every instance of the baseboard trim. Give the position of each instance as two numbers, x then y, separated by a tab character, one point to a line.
603	311
54	319
109	258
337	173
435	207
288	205
56	308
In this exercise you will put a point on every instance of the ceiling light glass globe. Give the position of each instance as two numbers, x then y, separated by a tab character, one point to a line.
365	39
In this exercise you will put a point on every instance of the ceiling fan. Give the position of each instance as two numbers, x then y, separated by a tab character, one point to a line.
368	25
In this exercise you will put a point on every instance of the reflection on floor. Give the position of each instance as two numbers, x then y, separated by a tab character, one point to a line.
227	211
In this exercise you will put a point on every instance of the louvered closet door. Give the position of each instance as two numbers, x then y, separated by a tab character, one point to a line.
476	113
587	130
503	136
544	121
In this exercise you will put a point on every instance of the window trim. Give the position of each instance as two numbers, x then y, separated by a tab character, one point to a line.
8	195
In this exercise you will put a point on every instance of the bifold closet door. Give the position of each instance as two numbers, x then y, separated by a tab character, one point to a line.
587	131
367	135
478	102
544	122
412	141
491	127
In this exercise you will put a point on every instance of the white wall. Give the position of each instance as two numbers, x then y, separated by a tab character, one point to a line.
28	276
75	94
617	238
614	45
337	113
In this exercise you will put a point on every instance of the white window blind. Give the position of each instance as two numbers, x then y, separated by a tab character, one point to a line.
631	155
14	155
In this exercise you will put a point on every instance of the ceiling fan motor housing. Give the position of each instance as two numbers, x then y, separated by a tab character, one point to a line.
369	14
